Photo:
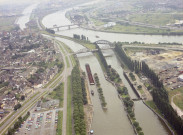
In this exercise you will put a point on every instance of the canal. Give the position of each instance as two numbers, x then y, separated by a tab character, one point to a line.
113	121
149	122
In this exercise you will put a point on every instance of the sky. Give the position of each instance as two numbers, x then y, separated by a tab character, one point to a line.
18	1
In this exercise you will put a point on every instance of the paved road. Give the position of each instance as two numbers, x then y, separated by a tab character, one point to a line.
31	103
68	73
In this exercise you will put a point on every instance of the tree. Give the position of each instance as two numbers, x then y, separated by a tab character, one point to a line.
139	87
17	106
22	97
136	124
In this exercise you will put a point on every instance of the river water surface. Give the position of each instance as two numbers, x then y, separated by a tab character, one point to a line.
26	16
114	121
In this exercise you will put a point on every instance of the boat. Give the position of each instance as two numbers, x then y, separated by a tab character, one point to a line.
90	77
92	92
97	36
91	132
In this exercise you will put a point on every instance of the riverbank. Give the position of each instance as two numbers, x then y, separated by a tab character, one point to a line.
123	57
137	33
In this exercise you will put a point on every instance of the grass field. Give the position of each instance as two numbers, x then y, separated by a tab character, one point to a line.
69	107
178	100
67	61
174	92
73	60
89	46
6	23
134	29
58	93
97	22
59	124
162	20
152	105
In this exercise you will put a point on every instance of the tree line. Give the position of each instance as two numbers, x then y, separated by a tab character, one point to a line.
50	31
102	58
114	76
82	37
85	101
17	124
78	113
100	91
159	93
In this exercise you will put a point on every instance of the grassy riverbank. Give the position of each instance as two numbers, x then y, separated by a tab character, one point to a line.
59	124
69	107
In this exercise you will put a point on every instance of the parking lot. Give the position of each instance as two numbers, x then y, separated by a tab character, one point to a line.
169	77
40	123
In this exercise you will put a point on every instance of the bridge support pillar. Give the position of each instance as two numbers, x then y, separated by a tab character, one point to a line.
57	29
69	27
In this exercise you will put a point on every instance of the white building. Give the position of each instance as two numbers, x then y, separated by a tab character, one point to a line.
180	77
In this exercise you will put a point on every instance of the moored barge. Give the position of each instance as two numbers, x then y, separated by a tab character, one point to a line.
90	77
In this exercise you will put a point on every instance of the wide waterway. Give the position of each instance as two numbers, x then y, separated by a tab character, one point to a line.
114	121
59	19
149	122
26	16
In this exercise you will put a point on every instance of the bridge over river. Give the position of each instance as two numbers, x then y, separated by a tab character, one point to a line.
105	42
64	26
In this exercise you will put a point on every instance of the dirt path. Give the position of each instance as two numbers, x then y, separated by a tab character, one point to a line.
176	108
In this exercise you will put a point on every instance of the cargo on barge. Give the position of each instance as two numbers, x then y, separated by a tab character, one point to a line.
90	77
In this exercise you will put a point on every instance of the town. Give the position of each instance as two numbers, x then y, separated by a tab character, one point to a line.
28	61
91	67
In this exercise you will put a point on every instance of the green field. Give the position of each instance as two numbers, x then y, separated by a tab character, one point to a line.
6	23
178	100
67	61
73	60
174	92
163	18
97	22
134	29
152	105
58	93
89	46
59	124
69	107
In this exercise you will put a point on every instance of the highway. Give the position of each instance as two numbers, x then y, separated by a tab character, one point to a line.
42	91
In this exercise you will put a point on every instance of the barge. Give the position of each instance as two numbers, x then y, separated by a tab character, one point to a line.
90	77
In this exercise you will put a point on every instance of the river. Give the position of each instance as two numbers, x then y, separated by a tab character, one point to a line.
59	19
26	16
113	121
